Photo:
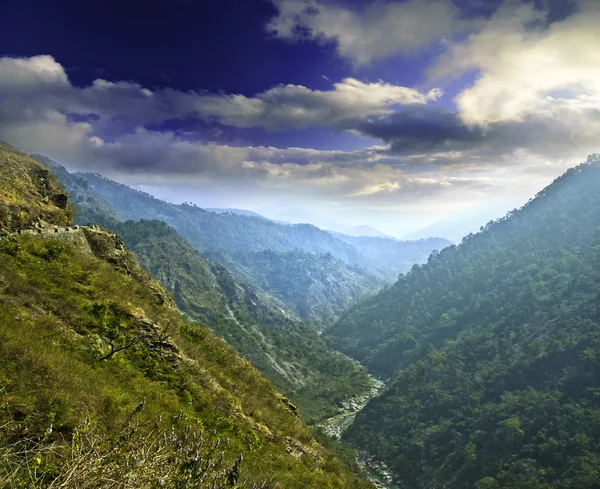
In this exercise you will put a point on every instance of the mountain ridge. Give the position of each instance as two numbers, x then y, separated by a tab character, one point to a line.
492	349
214	232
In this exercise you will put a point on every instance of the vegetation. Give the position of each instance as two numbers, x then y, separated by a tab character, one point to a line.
29	193
493	346
234	233
88	205
287	350
262	329
84	417
317	286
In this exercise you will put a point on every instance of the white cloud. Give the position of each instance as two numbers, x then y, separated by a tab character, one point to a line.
26	75
297	106
527	68
381	30
41	84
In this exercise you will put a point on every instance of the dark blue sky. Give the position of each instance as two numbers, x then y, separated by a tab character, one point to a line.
417	108
186	44
192	44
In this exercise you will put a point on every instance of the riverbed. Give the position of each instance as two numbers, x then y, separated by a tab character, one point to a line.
377	471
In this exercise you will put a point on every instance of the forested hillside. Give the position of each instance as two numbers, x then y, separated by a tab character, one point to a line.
102	380
494	348
318	287
215	231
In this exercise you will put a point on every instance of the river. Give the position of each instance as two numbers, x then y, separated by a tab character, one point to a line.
377	472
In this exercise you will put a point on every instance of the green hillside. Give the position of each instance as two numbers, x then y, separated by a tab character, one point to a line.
89	206
262	329
493	346
29	193
104	384
317	286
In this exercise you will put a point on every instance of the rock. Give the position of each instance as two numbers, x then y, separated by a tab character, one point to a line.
289	405
60	200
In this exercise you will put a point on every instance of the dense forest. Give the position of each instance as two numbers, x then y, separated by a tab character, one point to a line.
119	386
493	351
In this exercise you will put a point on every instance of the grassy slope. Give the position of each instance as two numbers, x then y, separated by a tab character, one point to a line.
275	340
259	327
58	310
29	192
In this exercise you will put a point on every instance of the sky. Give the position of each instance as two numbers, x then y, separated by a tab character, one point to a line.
394	114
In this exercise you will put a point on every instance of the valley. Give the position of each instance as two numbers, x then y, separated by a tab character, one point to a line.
484	347
300	244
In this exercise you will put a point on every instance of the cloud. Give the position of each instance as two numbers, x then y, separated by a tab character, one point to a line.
27	75
432	160
526	66
296	106
41	84
564	131
381	30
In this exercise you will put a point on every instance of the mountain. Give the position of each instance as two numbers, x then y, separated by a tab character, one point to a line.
30	194
262	329
493	348
102	380
210	231
88	205
387	257
241	212
457	226
366	231
317	286
233	233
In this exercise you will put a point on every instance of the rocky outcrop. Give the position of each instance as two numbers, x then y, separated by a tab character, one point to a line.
29	193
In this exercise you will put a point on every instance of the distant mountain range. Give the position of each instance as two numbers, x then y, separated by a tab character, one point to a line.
234	233
457	226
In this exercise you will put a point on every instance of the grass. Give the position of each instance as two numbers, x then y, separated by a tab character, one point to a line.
59	310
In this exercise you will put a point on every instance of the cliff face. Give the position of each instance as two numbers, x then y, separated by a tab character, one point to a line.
29	193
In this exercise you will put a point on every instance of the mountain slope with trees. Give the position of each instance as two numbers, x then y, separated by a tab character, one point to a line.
262	329
235	233
285	348
319	287
493	346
